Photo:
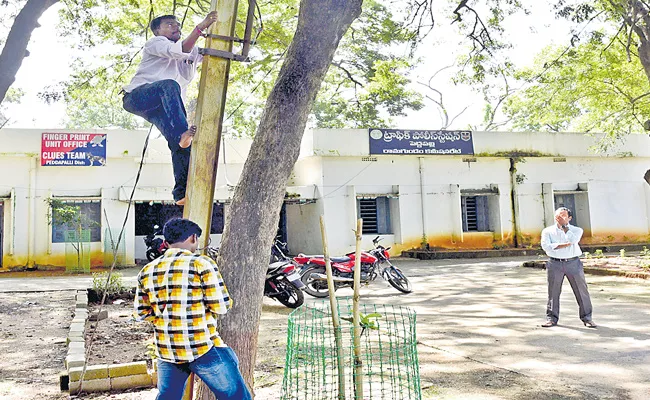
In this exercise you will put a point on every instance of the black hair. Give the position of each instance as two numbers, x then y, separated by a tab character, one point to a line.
565	209
177	230
155	23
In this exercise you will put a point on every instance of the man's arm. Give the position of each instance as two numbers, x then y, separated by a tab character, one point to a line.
190	40
547	245
215	294
141	304
573	234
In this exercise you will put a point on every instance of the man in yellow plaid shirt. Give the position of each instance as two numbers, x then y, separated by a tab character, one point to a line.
182	293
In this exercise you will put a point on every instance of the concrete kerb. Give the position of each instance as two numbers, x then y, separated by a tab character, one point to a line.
98	378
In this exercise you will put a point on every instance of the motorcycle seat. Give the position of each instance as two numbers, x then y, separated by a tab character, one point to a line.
340	259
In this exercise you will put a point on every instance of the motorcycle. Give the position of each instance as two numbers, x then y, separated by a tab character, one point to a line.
283	282
155	246
374	262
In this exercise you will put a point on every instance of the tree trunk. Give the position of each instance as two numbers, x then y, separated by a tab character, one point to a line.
15	48
253	221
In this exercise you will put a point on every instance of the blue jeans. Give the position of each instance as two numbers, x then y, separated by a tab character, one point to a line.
161	103
218	368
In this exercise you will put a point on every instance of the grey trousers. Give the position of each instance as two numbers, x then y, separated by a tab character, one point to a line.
555	272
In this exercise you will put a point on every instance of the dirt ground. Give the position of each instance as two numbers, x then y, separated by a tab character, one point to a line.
634	264
33	328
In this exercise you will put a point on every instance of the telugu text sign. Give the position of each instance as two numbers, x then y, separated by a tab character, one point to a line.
73	149
419	142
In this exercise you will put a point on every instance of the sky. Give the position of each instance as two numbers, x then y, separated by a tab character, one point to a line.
440	50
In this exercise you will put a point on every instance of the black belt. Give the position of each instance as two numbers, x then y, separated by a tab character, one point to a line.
564	259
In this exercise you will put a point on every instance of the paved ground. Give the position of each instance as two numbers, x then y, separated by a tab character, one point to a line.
56	283
489	311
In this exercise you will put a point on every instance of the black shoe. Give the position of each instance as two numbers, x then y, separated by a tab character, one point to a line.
590	324
549	324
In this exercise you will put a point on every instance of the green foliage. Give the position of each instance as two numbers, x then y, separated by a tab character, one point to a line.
589	88
588	255
102	284
599	254
365	86
367	321
622	253
65	213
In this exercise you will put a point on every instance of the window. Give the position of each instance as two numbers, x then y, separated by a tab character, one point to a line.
476	216
147	215
375	213
70	215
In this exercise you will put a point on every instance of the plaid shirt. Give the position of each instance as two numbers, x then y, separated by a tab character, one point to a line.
182	293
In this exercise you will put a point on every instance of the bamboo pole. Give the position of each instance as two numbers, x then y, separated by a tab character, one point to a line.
358	362
336	322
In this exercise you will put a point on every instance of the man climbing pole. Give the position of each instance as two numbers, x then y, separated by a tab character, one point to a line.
157	91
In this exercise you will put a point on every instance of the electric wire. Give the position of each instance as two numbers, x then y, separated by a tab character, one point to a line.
110	272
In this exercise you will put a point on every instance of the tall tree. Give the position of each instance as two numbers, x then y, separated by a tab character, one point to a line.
253	220
591	87
367	85
15	47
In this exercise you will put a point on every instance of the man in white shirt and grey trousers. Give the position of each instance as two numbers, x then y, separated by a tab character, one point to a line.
157	91
560	242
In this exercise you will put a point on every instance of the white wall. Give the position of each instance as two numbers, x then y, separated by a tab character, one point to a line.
333	169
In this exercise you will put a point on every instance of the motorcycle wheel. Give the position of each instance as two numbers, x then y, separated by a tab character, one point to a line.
289	295
397	280
152	254
314	287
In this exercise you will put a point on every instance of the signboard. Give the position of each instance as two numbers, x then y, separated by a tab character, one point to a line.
73	149
417	142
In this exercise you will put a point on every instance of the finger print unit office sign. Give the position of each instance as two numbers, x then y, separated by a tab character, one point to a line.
73	149
420	142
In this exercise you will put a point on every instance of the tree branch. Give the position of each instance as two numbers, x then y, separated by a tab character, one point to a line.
15	48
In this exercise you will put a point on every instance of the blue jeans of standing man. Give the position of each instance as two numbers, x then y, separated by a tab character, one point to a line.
161	103
217	368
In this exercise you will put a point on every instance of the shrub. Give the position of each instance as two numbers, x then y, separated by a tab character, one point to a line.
115	284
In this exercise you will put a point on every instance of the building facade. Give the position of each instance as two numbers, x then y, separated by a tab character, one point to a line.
501	196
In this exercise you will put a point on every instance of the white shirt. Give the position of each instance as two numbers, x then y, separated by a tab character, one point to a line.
553	236
164	59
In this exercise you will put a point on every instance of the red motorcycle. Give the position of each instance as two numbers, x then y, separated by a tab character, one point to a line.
373	263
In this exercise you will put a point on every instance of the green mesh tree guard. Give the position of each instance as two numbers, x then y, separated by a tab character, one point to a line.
77	251
110	244
389	353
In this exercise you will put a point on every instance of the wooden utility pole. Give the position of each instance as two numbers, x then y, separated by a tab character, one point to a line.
209	119
211	104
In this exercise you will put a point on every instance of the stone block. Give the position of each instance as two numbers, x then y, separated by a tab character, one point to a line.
76	334
92	372
134	368
93	385
81	305
72	339
77	346
98	316
75	360
131	381
77	327
79	320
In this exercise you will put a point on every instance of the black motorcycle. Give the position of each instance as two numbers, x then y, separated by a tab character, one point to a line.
156	246
282	282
